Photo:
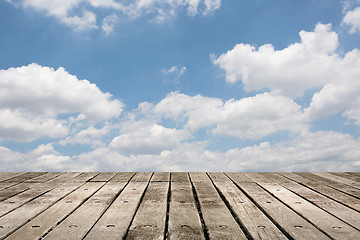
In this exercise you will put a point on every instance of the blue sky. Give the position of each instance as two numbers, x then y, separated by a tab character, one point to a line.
179	85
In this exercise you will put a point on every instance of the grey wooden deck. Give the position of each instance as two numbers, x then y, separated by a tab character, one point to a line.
179	205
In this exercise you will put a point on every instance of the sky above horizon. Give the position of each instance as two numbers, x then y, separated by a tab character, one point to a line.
179	85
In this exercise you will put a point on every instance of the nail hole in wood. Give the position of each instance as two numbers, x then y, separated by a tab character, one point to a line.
110	225
336	227
298	226
72	226
35	226
261	226
223	226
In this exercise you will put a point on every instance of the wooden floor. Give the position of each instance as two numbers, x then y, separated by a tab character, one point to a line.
143	205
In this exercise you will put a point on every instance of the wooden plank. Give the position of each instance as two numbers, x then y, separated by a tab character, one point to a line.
180	177
81	177
342	212
149	221
199	177
254	220
115	221
103	177
24	177
334	227
122	177
332	193
80	222
338	179
160	177
16	189
142	177
347	175
184	219
219	222
285	218
45	177
15	219
336	185
31	193
6	185
47	220
7	175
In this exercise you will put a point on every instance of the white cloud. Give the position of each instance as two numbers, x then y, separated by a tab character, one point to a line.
352	18
142	137
108	23
89	136
252	117
342	94
259	116
319	151
305	65
82	14
174	73
43	158
35	100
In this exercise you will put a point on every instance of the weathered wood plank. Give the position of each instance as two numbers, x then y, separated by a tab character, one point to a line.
149	221
15	219
24	177
115	221
31	193
285	218
184	219
45	177
336	185
142	177
347	175
48	219
122	177
7	175
338	179
219	222
332	226
16	189
255	221
103	177
6	185
342	212
80	222
180	177
160	177
332	193
82	177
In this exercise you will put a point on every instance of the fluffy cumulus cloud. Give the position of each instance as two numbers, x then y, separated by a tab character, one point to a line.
311	63
304	65
249	118
352	18
82	14
319	151
37	101
142	137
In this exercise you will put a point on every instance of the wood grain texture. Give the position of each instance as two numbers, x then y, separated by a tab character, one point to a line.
329	224
149	222
218	219
179	205
255	221
80	222
114	223
287	219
